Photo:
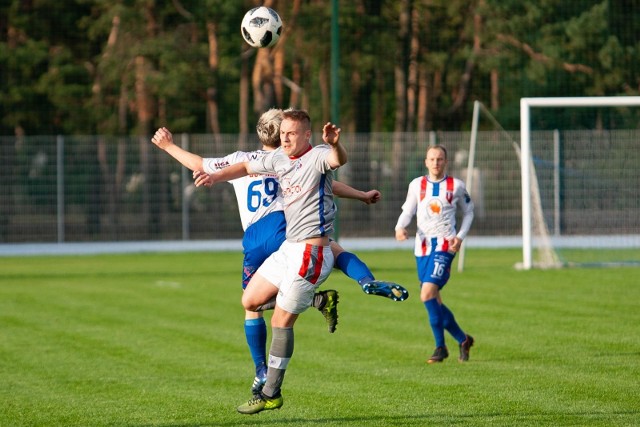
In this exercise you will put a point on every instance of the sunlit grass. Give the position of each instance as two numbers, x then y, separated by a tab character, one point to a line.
157	339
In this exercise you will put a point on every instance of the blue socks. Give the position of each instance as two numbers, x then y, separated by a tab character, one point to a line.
451	325
436	319
441	318
353	267
255	331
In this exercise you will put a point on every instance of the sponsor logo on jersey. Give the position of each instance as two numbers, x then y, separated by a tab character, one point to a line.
221	165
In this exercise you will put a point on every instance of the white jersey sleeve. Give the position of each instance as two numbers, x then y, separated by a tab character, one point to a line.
257	195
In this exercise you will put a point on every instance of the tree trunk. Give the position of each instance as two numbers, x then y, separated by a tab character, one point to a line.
399	143
212	91
412	71
243	113
423	116
495	90
111	180
462	93
262	82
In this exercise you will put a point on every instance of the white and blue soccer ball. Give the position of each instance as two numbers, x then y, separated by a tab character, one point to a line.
261	27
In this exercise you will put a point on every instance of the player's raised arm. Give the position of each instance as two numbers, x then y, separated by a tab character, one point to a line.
229	173
164	140
331	136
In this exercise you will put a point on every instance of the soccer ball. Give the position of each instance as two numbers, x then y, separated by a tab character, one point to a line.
261	27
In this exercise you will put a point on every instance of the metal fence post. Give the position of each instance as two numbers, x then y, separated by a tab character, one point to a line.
184	183
60	186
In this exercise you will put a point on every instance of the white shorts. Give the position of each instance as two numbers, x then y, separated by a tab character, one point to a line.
297	270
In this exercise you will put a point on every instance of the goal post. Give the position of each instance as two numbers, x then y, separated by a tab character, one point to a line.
526	159
493	185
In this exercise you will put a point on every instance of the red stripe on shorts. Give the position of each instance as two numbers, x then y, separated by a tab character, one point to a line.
311	267
306	257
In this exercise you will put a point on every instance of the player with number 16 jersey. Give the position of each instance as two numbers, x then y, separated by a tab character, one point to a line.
434	204
434	199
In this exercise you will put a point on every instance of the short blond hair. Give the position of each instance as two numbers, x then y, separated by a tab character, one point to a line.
268	127
300	116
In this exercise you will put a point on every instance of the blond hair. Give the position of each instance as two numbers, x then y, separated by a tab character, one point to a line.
268	127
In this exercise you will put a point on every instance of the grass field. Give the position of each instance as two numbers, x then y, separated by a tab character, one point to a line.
157	340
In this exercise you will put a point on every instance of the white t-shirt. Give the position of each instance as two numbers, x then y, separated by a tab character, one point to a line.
257	195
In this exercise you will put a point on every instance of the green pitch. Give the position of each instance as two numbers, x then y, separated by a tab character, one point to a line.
157	340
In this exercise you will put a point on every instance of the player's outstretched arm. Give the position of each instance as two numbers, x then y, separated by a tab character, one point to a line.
164	140
237	170
345	191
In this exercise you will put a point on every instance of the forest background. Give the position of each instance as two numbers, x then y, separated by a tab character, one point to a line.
98	67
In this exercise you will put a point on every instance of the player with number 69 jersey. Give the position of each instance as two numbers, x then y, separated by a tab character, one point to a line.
261	209
257	195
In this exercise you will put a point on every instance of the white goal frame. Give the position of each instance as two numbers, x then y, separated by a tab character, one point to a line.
525	146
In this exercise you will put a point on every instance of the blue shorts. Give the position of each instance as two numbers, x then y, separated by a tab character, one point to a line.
260	240
435	268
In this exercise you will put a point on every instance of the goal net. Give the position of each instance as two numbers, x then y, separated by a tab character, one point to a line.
566	195
588	180
493	178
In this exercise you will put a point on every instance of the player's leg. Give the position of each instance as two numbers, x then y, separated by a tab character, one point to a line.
433	272
255	331
305	268
355	268
280	352
258	290
429	295
259	242
255	328
451	325
296	293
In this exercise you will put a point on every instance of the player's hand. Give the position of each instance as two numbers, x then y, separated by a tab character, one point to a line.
455	244
401	234
202	179
371	197
162	138
331	134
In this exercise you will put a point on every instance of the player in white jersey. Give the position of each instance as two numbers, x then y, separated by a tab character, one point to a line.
434	200
261	210
304	261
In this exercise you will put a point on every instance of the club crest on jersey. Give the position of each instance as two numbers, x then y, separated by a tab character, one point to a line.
297	164
434	207
449	196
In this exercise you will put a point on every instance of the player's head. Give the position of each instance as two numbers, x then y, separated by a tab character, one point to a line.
268	127
295	132
436	161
